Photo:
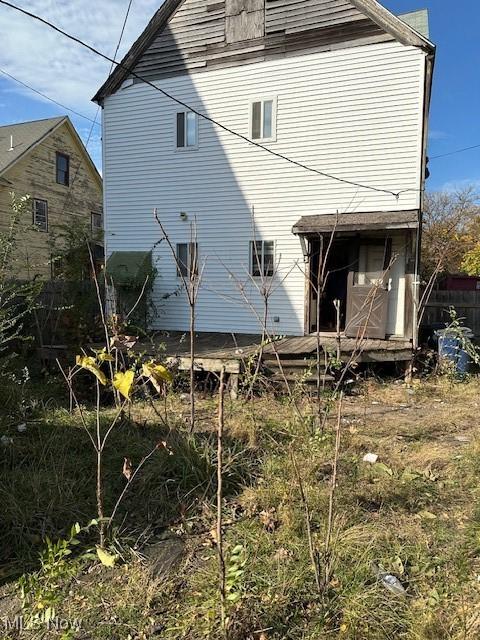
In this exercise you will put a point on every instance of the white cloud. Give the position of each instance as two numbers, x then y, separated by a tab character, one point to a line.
436	134
454	186
57	66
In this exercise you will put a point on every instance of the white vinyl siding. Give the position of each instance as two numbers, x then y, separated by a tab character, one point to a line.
355	113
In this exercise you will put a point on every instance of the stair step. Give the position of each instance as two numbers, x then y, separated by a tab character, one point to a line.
297	372
305	364
295	378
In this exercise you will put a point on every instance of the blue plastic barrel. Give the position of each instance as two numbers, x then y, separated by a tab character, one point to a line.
451	349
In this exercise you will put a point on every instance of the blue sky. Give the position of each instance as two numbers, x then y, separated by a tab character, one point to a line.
455	111
71	75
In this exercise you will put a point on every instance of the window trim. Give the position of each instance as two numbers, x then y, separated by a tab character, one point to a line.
252	257
92	227
262	100
192	147
187	275
35	224
60	154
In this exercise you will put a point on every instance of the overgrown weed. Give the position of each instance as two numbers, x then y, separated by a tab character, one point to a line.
415	512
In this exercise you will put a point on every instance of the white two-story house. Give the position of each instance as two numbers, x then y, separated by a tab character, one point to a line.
292	133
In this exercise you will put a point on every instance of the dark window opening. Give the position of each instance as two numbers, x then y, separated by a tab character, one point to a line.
63	169
187	259
262	258
40	214
96	221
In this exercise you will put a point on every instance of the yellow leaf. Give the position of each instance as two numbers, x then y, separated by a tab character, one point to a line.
123	382
157	374
104	356
90	364
107	559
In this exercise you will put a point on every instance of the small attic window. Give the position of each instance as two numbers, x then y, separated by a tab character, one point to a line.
63	169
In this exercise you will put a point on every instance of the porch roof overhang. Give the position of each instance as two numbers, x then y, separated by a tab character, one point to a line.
348	222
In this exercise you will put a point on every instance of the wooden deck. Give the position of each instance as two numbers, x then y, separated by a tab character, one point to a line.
217	350
368	350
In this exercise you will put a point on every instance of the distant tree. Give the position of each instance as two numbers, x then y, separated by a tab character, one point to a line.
471	259
451	227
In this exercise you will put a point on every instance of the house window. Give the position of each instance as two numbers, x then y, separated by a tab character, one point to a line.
40	214
262	258
63	169
187	130
96	221
263	120
187	259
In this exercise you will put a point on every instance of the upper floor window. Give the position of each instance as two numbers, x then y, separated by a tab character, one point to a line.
262	258
263	120
187	130
40	214
96	221
63	169
187	259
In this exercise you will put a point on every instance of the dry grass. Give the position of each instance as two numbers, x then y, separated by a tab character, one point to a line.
416	512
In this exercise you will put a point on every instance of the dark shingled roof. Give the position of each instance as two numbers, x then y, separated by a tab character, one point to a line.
25	136
357	222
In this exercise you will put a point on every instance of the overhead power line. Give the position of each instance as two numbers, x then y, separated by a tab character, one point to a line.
185	105
122	31
452	153
44	95
121	34
94	122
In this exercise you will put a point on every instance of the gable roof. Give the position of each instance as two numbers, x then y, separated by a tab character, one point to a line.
27	135
399	29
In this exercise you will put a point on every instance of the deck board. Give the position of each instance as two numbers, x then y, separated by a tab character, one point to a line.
213	349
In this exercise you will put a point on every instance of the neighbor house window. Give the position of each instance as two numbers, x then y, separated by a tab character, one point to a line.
40	214
63	169
187	259
262	257
263	119
96	221
187	130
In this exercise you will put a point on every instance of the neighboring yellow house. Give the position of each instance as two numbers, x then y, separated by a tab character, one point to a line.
46	160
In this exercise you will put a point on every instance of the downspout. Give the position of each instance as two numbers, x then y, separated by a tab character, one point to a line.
429	66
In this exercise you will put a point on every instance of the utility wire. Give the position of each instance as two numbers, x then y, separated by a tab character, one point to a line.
452	153
94	121
396	194
121	36
44	95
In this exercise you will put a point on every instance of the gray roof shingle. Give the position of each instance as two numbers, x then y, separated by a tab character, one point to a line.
25	135
418	20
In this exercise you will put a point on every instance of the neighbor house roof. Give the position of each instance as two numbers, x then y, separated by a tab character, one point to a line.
400	29
357	221
16	140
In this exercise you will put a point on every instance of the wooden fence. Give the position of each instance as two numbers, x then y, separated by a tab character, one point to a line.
67	313
465	303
